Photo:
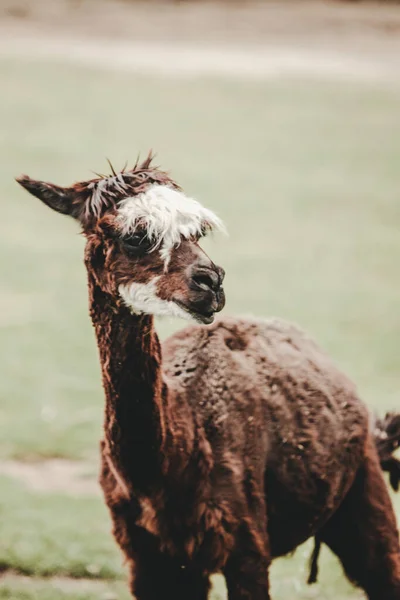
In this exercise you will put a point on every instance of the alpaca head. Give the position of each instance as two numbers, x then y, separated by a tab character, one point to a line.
143	237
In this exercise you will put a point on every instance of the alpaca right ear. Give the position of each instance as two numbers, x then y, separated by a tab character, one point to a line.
57	198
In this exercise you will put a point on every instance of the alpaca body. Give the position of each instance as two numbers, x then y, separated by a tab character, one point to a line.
279	419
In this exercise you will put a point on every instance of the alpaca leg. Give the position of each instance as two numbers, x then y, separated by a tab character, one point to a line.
158	576
159	579
246	571
363	534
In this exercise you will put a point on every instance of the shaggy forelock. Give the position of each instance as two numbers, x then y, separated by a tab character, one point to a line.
103	192
167	215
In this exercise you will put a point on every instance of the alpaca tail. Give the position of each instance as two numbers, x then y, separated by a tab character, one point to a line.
387	440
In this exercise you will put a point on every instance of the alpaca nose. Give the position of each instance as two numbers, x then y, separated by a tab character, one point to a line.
208	278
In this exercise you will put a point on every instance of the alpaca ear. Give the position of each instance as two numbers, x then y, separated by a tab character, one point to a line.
57	198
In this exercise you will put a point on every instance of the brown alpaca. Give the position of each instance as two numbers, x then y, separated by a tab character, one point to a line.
234	443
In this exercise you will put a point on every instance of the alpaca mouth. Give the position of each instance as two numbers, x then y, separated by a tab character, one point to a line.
204	317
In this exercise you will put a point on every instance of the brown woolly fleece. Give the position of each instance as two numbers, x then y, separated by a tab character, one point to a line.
228	445
265	444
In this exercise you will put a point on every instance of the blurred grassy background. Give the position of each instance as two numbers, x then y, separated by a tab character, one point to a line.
306	177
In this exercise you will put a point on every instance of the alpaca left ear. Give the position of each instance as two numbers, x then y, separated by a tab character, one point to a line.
58	198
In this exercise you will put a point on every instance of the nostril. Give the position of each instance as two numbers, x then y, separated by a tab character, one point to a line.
204	281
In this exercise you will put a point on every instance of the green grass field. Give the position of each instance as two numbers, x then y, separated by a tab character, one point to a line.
307	178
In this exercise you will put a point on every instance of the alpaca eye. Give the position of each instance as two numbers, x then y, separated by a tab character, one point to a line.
137	243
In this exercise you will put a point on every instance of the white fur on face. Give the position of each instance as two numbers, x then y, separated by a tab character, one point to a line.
142	298
167	216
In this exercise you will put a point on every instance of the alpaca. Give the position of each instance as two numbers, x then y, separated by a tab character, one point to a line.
231	444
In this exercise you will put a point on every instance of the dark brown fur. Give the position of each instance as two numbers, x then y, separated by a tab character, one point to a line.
228	446
387	439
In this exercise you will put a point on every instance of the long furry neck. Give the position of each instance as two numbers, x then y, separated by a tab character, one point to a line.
136	419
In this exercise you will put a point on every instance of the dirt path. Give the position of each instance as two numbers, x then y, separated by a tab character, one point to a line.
190	61
55	475
249	40
102	589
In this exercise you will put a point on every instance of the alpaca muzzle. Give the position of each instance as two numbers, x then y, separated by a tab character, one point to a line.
205	294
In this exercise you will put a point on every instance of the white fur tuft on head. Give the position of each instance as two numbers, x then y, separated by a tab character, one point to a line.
167	215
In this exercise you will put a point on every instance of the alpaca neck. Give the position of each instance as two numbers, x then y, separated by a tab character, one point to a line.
136	422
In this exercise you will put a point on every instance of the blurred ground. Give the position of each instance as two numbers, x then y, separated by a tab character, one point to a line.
357	41
302	21
298	153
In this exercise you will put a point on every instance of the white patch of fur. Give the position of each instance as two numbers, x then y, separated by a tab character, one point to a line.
143	298
165	253
167	215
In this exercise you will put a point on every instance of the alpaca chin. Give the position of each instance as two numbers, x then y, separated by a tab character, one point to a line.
142	298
